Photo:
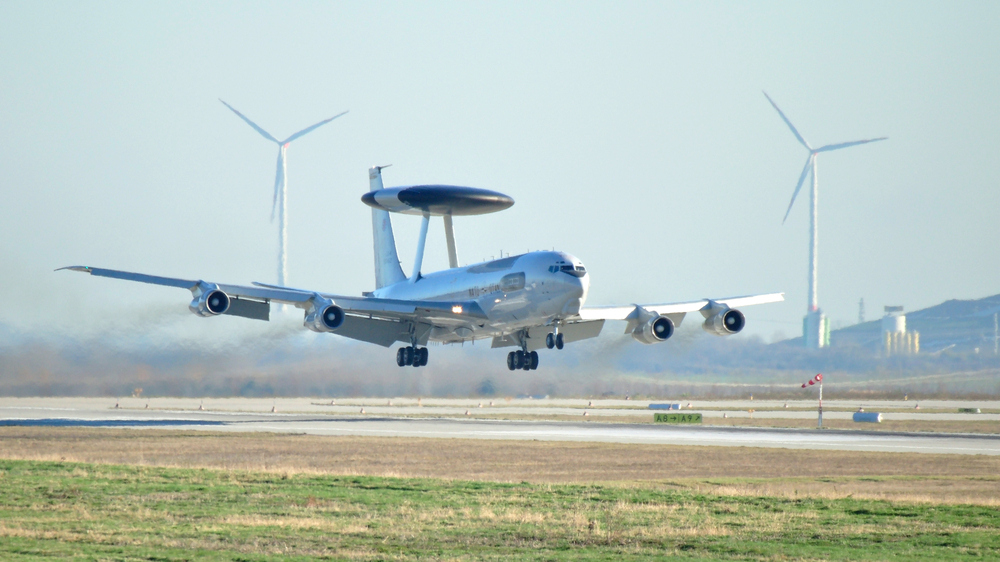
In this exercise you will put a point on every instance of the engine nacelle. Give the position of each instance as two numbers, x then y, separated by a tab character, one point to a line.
323	316
654	330
212	302
725	323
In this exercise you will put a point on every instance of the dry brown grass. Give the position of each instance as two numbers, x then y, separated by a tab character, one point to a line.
931	425
728	471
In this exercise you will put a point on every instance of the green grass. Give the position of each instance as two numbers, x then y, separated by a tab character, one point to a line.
109	512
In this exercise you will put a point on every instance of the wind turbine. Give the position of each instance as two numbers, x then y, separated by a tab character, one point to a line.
815	328
279	203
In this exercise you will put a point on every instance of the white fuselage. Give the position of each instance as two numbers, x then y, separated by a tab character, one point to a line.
532	289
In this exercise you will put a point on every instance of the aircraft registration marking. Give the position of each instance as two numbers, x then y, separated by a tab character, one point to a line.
485	290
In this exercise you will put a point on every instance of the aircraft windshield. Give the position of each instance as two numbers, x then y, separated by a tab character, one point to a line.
578	271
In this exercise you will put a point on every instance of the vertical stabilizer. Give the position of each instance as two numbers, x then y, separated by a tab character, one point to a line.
387	268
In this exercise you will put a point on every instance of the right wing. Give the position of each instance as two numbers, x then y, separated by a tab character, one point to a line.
375	320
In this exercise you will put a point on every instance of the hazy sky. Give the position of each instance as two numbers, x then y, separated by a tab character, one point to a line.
632	135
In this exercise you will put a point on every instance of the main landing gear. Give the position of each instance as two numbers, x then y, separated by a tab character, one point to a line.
527	360
411	356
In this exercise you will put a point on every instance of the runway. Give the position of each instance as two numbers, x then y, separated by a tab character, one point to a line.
97	413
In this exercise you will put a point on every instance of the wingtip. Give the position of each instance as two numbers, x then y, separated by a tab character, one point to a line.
80	268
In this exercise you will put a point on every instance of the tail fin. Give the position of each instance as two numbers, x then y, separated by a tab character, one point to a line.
387	269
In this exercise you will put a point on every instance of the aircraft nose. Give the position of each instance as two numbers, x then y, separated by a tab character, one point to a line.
579	284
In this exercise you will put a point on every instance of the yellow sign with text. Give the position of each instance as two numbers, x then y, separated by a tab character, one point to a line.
677	418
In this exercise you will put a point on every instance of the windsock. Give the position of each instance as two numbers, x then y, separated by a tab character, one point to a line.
814	380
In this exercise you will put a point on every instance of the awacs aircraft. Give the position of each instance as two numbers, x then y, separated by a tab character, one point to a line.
530	301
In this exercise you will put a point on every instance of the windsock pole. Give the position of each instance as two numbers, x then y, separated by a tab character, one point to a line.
820	419
817	379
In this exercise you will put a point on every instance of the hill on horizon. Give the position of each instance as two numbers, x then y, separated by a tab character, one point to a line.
959	325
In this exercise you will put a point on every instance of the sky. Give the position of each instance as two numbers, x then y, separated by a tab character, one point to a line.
633	135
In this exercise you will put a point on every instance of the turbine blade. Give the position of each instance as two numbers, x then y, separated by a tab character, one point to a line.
311	129
838	146
789	123
263	133
279	177
802	178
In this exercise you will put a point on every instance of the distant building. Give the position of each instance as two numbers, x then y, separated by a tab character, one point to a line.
896	340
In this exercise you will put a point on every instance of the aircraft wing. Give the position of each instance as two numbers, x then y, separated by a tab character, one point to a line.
675	311
615	312
368	319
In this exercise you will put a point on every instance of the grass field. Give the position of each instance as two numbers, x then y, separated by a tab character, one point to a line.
113	494
103	512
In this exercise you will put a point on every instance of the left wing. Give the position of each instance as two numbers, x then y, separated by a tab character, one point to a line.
636	314
667	309
375	320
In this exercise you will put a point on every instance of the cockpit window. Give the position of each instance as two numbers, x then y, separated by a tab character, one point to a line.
578	271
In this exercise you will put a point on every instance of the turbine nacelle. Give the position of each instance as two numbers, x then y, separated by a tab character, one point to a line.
655	330
209	301
725	322
323	315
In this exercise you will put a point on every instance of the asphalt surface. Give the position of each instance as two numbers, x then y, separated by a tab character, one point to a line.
246	416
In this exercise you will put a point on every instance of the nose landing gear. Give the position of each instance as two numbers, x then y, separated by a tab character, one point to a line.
411	356
554	340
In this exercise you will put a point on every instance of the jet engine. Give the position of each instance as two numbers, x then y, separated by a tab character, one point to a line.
211	302
323	316
654	330
725	323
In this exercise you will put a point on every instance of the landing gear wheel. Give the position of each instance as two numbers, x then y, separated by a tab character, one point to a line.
519	359
408	355
510	361
401	357
533	360
421	357
559	341
550	340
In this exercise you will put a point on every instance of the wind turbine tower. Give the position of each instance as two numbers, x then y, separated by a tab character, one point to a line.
279	204
816	328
